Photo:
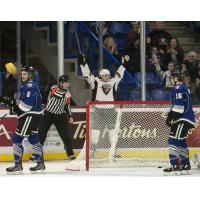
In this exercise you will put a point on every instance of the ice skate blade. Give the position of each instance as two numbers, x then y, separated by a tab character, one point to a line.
33	161
172	173
38	172
186	172
72	170
15	173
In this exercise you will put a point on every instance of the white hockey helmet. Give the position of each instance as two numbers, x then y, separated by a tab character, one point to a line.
104	72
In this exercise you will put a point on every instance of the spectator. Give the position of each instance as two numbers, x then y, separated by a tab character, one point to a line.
9	81
135	33
167	76
159	37
154	61
191	65
174	53
197	80
111	45
191	86
133	51
183	69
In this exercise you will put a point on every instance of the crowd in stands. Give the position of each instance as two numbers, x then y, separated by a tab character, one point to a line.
164	54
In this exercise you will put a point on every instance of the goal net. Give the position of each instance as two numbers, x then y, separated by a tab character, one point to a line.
124	134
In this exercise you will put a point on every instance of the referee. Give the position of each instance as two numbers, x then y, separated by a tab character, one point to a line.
58	104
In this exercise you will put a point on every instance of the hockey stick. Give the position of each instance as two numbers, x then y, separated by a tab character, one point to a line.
77	39
3	116
115	135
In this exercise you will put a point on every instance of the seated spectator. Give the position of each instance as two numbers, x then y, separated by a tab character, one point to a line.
167	75
9	82
135	33
191	65
159	37
154	61
174	52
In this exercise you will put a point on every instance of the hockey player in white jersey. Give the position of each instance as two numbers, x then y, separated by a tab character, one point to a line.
104	87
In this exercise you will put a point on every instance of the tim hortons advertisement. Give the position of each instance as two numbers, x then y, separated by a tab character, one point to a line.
53	143
139	131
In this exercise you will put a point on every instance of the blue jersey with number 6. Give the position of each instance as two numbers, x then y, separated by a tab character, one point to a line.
181	103
30	98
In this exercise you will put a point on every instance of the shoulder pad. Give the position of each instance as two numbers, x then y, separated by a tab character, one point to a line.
54	86
177	87
29	85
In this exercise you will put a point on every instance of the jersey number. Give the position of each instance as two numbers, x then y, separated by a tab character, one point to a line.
28	94
179	96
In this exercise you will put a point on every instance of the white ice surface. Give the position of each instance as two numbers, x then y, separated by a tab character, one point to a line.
58	168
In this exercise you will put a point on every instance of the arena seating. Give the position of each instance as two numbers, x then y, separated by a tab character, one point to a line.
119	31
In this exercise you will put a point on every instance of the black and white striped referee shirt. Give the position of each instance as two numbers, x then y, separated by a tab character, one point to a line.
58	101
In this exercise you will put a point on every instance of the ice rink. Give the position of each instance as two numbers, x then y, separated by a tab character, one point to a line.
58	168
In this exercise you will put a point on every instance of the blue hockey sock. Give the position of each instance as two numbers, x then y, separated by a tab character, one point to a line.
37	147
184	152
18	149
173	151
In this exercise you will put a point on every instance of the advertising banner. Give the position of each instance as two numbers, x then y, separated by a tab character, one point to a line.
77	131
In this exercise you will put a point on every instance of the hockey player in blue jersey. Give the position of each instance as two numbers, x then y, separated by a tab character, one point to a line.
180	120
28	111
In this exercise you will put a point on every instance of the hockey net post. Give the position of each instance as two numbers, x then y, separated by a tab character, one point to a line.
124	134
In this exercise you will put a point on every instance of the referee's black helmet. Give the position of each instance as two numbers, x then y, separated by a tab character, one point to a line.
64	78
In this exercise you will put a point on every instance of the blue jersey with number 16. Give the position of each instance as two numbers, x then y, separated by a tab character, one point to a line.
181	103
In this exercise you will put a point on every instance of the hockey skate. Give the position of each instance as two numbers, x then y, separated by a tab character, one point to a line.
173	170
186	169
32	159
17	169
39	168
72	157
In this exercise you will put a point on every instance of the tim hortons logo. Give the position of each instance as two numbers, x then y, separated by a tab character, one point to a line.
3	131
80	130
133	131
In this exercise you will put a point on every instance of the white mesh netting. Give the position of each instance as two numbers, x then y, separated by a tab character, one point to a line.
125	135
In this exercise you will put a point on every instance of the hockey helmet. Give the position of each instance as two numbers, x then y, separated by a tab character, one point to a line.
177	74
11	68
104	72
30	70
64	78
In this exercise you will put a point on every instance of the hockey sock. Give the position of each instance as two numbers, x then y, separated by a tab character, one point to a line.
173	151
37	147
184	152
18	149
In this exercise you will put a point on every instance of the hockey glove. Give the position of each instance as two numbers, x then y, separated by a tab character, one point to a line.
172	116
82	59
10	101
125	60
